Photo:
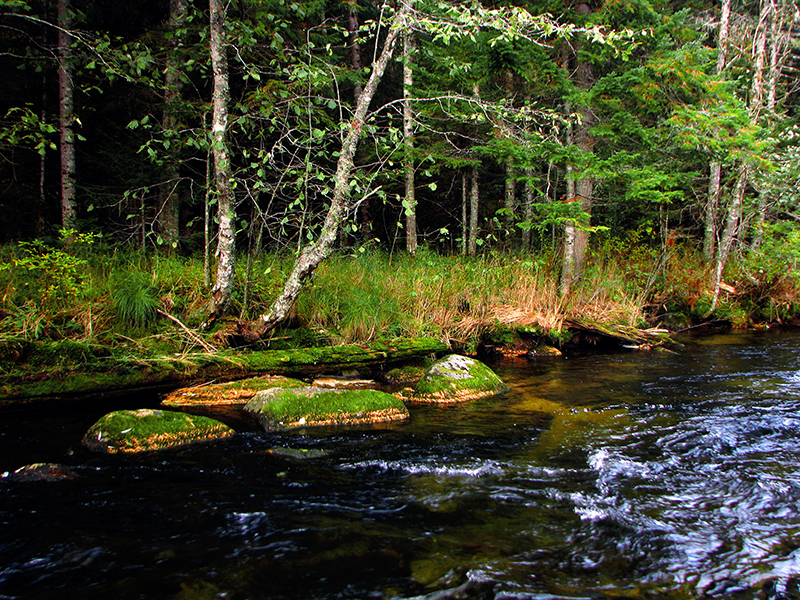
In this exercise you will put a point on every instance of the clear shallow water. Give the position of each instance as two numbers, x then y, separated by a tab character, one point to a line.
639	475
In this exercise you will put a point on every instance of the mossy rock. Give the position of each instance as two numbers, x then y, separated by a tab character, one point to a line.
230	393
457	378
129	431
281	410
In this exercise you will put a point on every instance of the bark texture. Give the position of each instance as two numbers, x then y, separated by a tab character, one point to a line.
408	143
66	117
226	240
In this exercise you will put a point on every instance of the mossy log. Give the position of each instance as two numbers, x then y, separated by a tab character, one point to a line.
585	334
108	376
281	410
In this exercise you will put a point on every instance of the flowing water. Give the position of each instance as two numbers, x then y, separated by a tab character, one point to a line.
635	475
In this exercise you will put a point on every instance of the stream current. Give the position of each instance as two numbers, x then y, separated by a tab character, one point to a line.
636	475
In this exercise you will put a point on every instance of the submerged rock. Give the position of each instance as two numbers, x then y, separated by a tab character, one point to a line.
280	410
457	378
145	429
41	472
228	394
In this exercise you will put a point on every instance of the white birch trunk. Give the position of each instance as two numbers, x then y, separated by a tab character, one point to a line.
474	201
408	142
226	238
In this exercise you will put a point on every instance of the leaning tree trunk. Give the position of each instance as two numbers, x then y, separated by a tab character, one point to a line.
226	239
313	254
66	117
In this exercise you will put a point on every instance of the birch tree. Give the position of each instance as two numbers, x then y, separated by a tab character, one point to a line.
313	254
410	203
226	237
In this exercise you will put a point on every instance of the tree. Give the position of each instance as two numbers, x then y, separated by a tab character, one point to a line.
410	203
313	254
223	180
169	211
67	121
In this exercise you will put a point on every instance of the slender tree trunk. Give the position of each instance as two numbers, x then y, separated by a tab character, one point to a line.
735	210
226	238
313	254
715	168
355	47
169	213
568	259
464	213
527	208
408	141
69	206
474	201
510	200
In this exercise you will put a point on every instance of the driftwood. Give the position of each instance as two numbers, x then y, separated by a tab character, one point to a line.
587	333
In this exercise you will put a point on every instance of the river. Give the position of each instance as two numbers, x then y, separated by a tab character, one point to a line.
635	475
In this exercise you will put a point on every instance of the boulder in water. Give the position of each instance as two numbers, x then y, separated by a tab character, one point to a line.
280	410
457	378
142	430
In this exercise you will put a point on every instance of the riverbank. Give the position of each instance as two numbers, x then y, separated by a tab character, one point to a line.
84	320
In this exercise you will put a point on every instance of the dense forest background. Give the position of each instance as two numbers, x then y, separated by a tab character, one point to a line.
221	131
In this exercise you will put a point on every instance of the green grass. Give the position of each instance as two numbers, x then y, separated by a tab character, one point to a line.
111	297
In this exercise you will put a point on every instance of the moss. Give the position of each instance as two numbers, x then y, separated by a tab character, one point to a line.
143	430
279	410
233	392
102	376
457	378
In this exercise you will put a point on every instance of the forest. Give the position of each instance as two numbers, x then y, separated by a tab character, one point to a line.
181	173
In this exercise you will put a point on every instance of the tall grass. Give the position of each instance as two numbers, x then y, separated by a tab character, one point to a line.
373	295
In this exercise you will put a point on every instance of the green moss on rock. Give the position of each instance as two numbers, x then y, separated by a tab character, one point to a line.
280	410
231	393
142	430
457	378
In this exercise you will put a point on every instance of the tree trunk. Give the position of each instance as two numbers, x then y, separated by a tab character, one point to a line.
715	169
527	209
313	254
66	117
474	200
226	239
576	235
169	213
510	201
568	258
464	213
355	47
735	210
410	203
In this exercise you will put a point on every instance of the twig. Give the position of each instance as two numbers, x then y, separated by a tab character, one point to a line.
196	338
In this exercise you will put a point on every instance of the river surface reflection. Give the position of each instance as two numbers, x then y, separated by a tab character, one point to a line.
636	475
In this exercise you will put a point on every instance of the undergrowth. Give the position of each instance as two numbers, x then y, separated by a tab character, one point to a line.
85	291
